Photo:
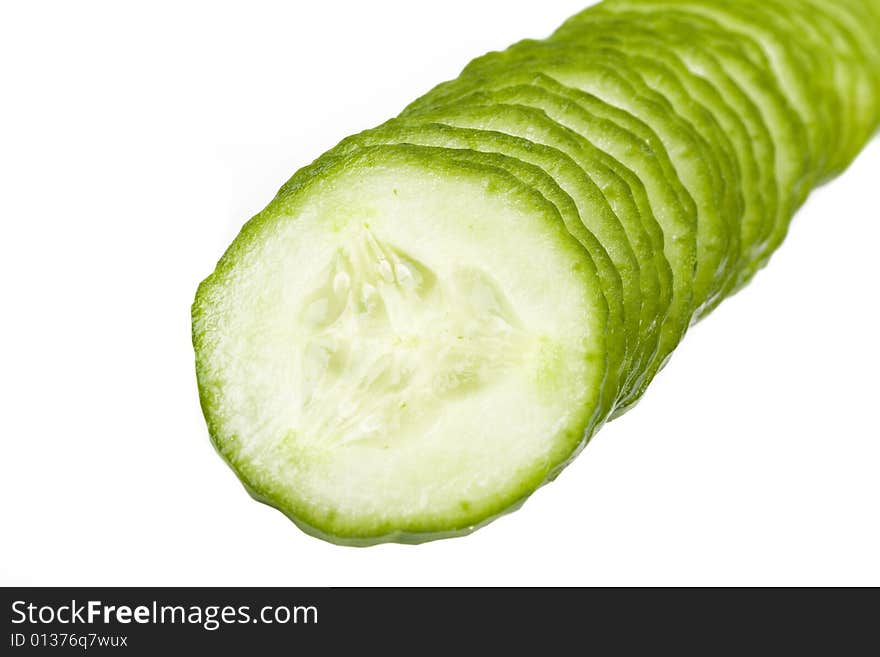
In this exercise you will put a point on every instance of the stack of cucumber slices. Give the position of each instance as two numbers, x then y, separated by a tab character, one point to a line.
433	318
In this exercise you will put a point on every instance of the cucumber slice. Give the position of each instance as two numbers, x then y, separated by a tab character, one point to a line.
652	274
664	89
833	76
430	321
686	154
604	149
379	357
801	75
738	121
852	32
829	32
613	254
747	66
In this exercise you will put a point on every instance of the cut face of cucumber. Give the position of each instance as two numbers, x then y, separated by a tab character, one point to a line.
526	123
534	117
403	348
583	203
690	154
431	320
601	125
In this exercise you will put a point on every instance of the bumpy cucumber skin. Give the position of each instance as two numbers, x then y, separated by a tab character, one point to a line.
576	436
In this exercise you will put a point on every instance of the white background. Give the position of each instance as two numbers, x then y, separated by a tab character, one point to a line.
135	140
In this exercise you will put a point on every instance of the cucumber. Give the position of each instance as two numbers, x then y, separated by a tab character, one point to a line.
718	231
651	272
802	76
430	320
856	65
833	77
738	121
380	358
615	263
690	157
603	145
745	63
569	107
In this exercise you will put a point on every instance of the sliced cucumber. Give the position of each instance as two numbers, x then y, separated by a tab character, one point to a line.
830	34
401	347
430	321
833	78
848	27
614	259
739	126
687	154
748	67
800	76
651	284
603	149
662	87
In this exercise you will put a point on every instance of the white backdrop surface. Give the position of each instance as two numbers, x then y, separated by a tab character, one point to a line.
136	138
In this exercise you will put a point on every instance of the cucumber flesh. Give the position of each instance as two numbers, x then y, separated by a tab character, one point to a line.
548	98
380	358
651	285
532	116
684	154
